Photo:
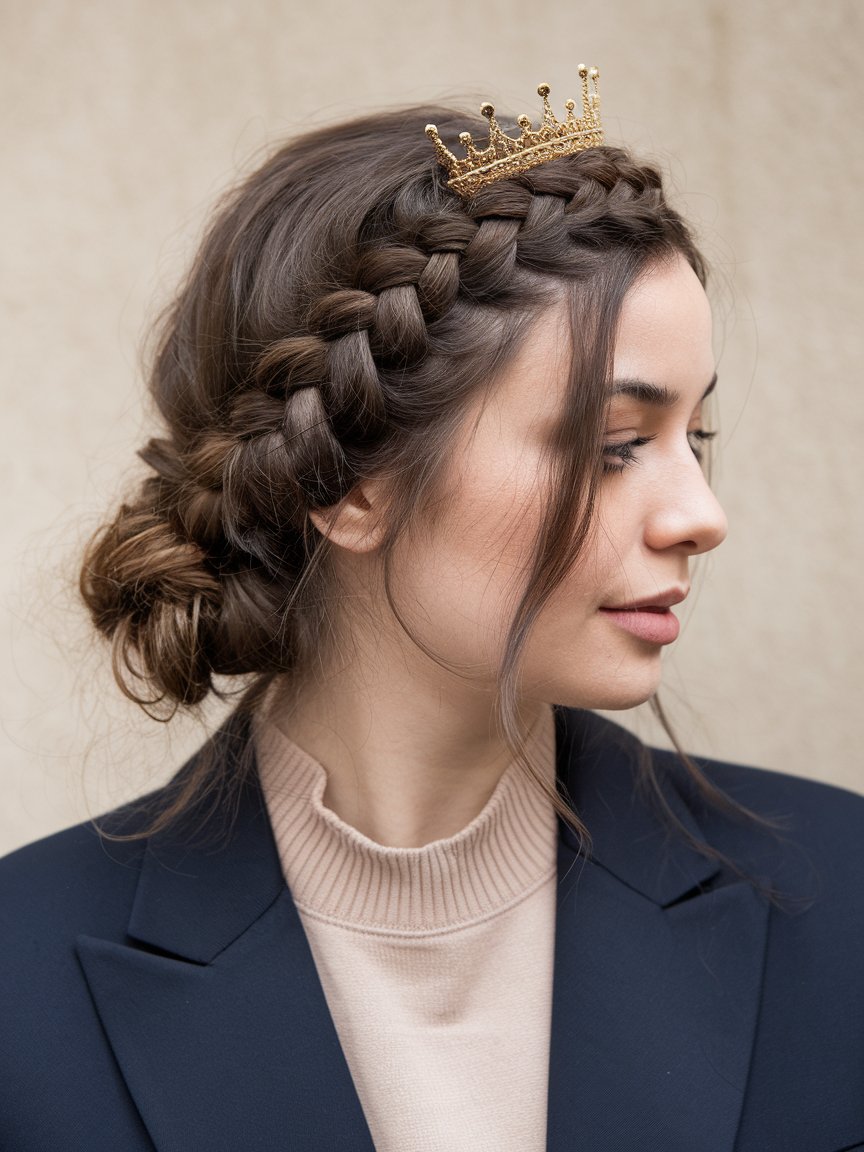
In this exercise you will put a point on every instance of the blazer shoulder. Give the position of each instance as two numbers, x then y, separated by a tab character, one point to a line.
66	883
806	839
818	809
810	836
104	853
84	879
615	757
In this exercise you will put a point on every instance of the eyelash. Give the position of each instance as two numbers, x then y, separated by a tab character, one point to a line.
698	438
624	454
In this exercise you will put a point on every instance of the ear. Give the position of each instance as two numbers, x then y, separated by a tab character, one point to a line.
357	522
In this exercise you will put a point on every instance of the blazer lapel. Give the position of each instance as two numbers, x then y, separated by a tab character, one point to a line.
658	970
215	1014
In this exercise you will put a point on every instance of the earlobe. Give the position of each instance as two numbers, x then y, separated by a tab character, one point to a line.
356	523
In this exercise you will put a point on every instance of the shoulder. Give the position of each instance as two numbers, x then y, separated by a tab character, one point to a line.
83	880
771	789
87	874
74	881
807	836
818	812
814	830
79	881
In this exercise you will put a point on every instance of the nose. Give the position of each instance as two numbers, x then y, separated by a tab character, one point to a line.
685	513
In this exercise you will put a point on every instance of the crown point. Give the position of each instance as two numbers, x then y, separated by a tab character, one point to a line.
507	155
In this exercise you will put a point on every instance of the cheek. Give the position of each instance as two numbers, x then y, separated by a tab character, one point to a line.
466	574
617	533
586	586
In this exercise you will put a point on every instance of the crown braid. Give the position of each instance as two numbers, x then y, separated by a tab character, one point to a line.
333	379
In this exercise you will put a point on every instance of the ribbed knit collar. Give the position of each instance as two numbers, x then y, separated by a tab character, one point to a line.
336	872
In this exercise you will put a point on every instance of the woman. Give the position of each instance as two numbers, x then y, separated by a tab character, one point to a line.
430	484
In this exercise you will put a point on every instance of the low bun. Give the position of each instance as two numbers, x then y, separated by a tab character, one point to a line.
150	593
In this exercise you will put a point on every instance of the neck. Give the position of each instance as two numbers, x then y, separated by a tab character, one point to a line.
411	757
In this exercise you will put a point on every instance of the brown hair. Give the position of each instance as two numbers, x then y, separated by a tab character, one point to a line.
343	309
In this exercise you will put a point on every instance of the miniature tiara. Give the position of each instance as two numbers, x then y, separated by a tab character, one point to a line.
506	157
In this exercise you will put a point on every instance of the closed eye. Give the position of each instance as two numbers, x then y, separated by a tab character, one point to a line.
617	457
698	438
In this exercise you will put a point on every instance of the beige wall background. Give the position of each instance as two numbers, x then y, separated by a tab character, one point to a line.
123	119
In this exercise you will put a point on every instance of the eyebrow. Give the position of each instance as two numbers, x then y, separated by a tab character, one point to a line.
657	395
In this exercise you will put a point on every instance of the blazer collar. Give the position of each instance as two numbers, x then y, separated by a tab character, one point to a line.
218	1019
598	767
198	893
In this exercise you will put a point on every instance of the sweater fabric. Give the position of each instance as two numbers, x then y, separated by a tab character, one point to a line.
436	962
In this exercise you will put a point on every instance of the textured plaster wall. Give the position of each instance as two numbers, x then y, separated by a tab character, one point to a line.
123	119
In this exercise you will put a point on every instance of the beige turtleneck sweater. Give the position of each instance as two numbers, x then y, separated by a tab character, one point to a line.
436	962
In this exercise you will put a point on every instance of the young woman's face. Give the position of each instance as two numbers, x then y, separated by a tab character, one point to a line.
598	640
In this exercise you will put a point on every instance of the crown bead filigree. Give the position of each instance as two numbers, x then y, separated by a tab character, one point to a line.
507	156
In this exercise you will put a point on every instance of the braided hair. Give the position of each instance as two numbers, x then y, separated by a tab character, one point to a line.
343	310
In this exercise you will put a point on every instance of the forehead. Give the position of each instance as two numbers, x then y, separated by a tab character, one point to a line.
664	332
663	337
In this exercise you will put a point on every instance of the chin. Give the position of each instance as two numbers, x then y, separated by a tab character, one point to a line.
630	688
620	703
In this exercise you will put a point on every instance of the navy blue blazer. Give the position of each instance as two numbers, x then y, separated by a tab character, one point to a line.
162	995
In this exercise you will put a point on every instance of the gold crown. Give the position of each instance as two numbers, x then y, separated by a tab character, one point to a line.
506	157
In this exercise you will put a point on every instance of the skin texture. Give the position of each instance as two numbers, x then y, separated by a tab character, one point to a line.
409	746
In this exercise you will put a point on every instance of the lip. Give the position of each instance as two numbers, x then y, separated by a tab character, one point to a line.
650	619
656	601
